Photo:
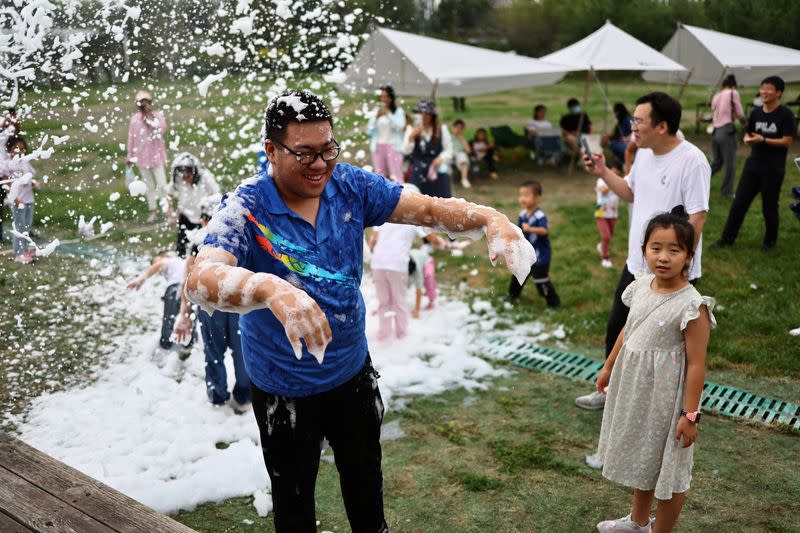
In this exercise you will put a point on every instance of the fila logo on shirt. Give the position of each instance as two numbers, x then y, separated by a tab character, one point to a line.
766	127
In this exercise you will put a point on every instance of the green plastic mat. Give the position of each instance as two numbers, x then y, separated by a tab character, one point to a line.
723	399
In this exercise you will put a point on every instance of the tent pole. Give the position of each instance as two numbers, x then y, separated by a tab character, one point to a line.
580	118
433	89
604	92
685	83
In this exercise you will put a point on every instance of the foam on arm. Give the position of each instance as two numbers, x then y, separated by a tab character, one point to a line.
457	217
215	282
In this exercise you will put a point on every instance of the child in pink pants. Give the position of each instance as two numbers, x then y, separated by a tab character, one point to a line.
391	247
606	213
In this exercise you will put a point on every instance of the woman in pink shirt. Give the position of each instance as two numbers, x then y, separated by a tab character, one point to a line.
146	148
727	106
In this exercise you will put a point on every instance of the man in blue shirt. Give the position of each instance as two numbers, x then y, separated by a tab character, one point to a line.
533	223
285	251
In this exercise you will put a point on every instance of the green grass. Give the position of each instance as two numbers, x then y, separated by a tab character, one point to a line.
512	461
519	466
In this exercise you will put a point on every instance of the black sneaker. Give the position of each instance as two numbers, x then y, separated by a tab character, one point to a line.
795	209
720	244
767	246
796	192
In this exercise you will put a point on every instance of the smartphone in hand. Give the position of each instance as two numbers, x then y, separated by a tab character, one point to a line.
587	152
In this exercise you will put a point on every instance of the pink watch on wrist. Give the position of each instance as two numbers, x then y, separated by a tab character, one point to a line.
691	416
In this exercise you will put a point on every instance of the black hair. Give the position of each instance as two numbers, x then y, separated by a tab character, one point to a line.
479	130
534	186
14	140
620	111
390	91
458	121
664	108
537	108
572	102
615	162
280	112
729	81
678	220
775	81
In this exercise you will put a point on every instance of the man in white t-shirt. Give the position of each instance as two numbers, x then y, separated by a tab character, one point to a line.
667	171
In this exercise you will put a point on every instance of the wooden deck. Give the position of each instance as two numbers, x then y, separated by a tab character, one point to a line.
39	493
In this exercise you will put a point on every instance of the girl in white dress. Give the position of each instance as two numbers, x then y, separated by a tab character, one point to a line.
654	380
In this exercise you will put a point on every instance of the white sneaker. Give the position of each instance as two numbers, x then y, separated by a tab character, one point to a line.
623	525
151	218
466	184
592	402
599	248
606	263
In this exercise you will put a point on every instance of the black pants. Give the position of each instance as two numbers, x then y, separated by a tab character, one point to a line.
184	225
540	275
292	430
619	311
489	160
757	178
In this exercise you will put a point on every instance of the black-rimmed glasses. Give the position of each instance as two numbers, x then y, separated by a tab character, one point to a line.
308	158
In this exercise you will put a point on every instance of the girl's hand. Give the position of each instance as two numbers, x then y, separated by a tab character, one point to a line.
602	379
687	430
135	283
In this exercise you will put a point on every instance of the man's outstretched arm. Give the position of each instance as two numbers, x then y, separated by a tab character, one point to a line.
215	282
457	216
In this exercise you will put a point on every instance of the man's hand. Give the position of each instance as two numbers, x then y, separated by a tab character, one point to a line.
302	318
595	164
506	239
753	138
183	328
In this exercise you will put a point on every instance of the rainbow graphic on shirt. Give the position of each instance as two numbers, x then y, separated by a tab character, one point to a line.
269	239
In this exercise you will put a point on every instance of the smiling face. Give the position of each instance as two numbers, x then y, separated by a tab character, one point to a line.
385	98
665	256
297	182
769	94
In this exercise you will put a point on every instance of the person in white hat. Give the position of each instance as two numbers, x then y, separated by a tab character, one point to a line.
146	149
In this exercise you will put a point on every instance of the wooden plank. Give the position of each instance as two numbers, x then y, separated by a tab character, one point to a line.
40	511
108	506
9	525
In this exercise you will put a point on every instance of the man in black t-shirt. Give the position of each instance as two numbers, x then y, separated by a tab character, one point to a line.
770	130
569	124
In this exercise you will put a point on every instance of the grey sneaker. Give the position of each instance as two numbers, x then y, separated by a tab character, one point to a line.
593	402
623	525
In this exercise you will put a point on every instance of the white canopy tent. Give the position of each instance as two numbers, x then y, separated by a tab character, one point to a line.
610	48
421	66
710	56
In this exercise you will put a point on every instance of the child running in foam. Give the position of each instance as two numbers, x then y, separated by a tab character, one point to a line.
654	380
171	267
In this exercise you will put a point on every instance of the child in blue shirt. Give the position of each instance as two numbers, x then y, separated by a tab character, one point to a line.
533	222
